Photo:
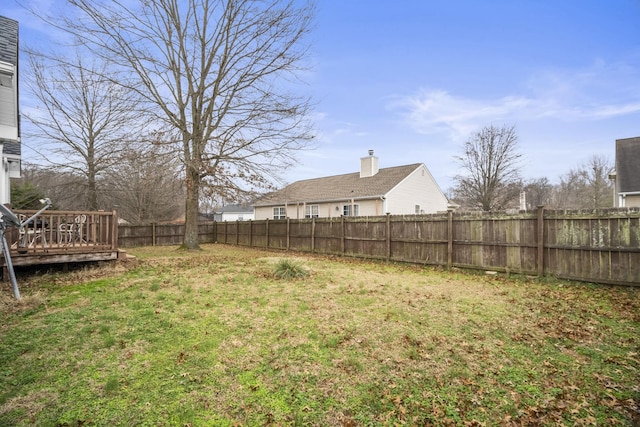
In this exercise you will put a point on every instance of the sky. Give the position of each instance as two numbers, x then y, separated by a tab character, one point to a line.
414	79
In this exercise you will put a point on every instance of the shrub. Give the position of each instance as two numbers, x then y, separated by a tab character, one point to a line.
287	269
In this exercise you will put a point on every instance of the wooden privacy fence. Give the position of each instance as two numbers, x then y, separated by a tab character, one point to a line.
130	236
595	246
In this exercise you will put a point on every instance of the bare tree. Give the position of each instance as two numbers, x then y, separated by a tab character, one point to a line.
145	187
587	186
490	160
82	119
539	192
217	72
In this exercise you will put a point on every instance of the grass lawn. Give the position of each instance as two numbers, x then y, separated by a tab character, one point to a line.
217	338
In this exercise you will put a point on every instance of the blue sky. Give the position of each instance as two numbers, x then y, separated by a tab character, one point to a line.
413	79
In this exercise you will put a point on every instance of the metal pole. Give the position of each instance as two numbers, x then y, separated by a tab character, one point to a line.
7	259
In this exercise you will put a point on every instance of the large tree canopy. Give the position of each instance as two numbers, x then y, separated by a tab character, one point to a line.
218	74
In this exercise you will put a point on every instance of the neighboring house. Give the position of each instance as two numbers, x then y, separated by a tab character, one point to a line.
627	174
9	115
396	190
234	213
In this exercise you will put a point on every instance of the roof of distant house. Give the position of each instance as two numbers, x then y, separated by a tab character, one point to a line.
339	187
235	209
628	164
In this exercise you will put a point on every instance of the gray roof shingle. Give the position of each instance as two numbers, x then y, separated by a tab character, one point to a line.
235	209
339	187
628	164
8	40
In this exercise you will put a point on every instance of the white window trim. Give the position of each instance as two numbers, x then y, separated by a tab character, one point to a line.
312	211
347	210
280	212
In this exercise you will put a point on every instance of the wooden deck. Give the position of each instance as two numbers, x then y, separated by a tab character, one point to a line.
60	237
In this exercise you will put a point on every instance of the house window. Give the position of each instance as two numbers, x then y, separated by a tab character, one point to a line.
311	211
350	210
280	213
417	209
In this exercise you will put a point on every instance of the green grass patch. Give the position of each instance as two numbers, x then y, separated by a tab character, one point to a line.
219	338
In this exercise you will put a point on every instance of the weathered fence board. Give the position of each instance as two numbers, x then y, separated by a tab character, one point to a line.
162	234
328	236
600	248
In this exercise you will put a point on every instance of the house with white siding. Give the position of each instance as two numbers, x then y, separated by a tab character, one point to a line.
9	117
373	191
233	213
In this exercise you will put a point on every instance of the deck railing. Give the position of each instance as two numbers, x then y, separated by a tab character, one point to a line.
64	232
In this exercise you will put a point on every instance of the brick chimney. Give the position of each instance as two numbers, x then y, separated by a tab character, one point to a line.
368	165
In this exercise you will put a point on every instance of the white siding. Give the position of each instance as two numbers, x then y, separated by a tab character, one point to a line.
237	216
372	207
629	201
8	103
262	213
419	188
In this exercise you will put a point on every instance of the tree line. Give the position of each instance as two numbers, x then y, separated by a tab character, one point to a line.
491	178
143	186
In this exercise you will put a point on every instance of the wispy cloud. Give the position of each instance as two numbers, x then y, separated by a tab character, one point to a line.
435	111
600	92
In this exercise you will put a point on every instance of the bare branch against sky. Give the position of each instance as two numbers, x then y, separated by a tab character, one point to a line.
491	163
218	73
83	119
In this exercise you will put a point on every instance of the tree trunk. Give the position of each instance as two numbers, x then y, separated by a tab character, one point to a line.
191	211
92	190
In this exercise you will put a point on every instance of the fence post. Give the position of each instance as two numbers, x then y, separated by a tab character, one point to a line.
388	236
342	235
250	233
288	233
313	234
266	234
153	234
237	232
449	237
540	226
